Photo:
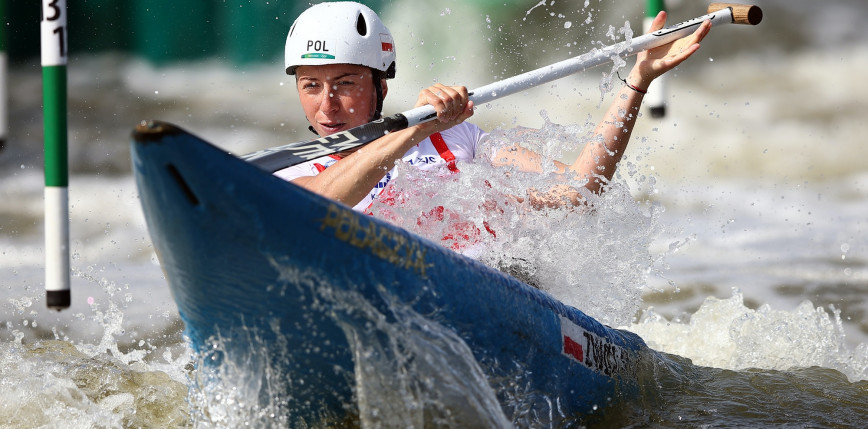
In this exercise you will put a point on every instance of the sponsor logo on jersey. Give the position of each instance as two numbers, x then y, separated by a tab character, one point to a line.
425	160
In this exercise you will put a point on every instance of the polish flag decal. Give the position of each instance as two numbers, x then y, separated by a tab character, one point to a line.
386	43
597	353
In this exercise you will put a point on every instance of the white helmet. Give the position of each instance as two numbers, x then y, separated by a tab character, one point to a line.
340	33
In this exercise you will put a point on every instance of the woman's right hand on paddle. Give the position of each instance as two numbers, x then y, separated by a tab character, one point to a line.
451	103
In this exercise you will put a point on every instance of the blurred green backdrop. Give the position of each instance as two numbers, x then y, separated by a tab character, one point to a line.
240	31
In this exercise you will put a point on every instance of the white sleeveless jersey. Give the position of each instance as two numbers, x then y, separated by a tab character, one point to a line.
462	141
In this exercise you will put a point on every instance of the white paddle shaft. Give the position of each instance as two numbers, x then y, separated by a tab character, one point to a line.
512	85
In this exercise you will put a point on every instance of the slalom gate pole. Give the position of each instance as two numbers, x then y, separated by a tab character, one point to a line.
54	57
656	97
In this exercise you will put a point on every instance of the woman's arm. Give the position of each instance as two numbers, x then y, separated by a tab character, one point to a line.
600	157
350	179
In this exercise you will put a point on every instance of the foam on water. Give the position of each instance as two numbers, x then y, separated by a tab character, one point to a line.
724	333
49	383
91	368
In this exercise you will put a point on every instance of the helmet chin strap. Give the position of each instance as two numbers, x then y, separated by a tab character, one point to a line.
378	78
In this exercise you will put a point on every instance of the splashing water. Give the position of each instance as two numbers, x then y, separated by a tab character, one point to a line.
46	379
593	257
439	381
409	371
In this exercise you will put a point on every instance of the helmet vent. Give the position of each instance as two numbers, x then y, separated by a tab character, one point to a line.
361	25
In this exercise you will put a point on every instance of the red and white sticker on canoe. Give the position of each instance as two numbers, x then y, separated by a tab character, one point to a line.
595	352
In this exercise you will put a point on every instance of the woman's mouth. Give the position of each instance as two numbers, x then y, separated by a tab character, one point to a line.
331	127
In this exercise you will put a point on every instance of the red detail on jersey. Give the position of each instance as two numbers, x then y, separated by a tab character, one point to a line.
457	232
444	151
320	168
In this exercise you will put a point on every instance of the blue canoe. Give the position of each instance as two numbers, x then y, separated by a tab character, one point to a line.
256	262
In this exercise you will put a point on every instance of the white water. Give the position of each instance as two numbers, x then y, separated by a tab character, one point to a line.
755	182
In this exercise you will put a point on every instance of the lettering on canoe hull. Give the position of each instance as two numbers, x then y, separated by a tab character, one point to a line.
595	352
382	242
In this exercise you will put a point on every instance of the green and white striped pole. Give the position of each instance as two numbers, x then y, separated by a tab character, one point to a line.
4	96
656	97
54	54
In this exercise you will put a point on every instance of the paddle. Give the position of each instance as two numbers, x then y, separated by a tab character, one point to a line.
280	157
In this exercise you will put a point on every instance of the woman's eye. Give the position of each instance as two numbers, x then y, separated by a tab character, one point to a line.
344	84
309	85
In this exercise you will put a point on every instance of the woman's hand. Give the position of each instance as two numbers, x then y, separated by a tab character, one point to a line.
451	103
652	63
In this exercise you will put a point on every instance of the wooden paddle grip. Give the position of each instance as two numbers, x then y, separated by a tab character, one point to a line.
741	13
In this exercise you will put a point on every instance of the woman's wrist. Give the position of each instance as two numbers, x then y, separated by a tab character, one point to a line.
635	88
638	85
641	75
